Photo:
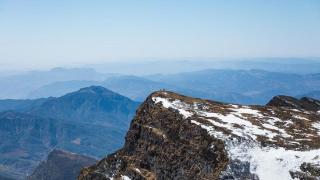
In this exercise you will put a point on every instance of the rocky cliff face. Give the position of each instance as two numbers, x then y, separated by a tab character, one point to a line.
61	165
178	137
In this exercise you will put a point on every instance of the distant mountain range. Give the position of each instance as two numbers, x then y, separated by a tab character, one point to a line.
234	86
173	66
134	87
90	121
86	112
20	85
243	86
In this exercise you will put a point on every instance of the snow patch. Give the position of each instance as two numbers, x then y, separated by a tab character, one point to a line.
125	178
247	110
300	117
237	116
176	104
248	123
248	129
317	126
272	163
138	170
211	130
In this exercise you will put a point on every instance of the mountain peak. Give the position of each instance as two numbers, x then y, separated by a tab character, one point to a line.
95	90
179	137
284	101
305	103
91	104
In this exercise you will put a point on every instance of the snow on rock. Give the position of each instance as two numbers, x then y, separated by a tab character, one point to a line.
178	105
273	163
235	117
248	129
125	178
138	170
249	125
317	126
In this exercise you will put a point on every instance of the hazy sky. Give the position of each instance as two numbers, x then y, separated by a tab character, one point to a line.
51	33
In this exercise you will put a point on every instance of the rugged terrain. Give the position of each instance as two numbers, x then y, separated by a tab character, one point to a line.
91	121
177	137
61	165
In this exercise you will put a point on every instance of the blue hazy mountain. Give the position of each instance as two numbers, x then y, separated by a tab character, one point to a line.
138	88
20	105
243	86
60	88
20	85
90	121
93	104
234	86
173	66
26	140
134	87
25	85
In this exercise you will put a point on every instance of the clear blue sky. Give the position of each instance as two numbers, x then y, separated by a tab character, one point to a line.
50	33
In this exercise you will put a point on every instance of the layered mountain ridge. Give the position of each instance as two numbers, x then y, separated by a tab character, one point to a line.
178	137
94	104
91	121
227	85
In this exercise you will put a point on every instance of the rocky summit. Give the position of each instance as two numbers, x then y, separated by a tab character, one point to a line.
177	137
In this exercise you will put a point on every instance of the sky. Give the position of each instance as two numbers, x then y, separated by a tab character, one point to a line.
37	33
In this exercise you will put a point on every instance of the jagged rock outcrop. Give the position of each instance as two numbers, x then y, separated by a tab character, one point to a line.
178	137
306	103
61	165
307	171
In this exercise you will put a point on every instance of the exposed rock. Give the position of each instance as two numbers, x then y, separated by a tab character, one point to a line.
61	165
308	172
313	169
178	137
306	103
165	148
238	170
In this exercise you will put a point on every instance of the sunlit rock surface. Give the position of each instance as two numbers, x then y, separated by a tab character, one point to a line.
177	137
